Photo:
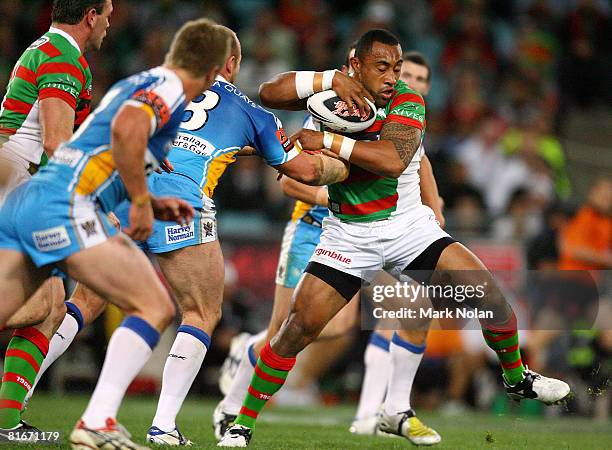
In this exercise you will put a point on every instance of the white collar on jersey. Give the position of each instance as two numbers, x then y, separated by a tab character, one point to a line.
66	36
222	78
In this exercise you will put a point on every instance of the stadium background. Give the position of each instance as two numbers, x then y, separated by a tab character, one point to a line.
519	131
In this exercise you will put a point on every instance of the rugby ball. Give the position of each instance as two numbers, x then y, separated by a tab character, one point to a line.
333	113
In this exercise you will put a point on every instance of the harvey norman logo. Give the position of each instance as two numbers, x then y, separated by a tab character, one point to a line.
339	257
179	233
51	239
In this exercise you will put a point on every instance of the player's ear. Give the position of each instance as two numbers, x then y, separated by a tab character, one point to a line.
90	17
355	65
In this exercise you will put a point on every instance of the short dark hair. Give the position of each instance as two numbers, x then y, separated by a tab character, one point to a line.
418	58
365	42
72	12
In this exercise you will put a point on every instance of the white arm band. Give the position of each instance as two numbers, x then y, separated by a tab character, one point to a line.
328	78
346	148
328	139
304	81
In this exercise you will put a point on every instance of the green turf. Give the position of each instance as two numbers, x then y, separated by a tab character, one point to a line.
326	427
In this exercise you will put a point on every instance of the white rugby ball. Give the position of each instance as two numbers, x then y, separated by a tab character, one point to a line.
333	112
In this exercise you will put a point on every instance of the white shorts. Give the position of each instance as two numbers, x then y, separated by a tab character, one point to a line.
362	249
13	172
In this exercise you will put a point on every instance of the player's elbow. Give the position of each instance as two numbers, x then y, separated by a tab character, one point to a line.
394	169
266	94
50	144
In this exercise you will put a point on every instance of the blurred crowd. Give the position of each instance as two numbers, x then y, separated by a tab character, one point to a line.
506	75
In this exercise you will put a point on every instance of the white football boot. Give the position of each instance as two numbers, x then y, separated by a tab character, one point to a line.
538	387
406	424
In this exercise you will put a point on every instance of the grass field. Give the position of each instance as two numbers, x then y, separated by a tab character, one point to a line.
326	427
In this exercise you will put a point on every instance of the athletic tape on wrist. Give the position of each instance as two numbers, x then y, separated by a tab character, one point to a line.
346	148
341	145
328	78
304	83
328	139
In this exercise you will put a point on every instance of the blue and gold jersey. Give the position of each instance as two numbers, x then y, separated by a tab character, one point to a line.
85	163
215	126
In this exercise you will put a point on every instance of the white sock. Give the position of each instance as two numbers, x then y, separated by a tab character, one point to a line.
232	402
405	360
129	348
182	366
377	369
59	343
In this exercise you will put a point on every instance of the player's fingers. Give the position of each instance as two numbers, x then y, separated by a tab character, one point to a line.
362	106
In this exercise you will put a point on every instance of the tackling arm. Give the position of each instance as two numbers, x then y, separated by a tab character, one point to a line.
315	195
314	170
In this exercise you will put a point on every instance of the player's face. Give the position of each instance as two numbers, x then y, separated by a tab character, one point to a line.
415	76
101	22
379	71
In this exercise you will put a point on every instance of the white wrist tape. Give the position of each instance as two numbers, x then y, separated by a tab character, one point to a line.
341	145
328	77
304	81
328	139
346	148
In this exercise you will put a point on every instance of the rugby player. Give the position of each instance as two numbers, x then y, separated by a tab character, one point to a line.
217	125
299	241
48	95
416	73
105	162
377	222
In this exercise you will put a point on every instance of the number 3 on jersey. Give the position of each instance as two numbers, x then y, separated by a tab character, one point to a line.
196	113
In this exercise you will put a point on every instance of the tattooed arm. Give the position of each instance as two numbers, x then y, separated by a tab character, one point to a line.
387	157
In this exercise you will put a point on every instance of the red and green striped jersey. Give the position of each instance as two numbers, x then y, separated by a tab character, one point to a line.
52	66
365	196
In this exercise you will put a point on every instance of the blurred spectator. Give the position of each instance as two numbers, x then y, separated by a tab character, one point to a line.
542	250
586	241
521	221
533	141
280	40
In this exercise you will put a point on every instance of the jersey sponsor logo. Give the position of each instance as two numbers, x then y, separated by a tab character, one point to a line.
233	90
333	255
51	239
38	42
194	144
179	233
409	114
284	140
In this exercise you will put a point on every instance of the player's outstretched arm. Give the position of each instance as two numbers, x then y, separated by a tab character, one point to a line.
56	123
290	90
387	157
429	190
314	170
315	195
